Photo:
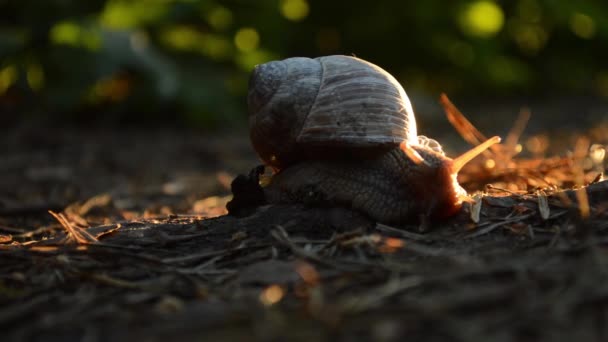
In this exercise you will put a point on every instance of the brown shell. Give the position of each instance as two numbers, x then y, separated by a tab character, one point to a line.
330	102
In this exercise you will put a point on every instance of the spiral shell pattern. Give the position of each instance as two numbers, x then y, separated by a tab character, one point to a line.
335	102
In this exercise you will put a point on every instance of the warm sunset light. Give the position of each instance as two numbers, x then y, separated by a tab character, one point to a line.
299	170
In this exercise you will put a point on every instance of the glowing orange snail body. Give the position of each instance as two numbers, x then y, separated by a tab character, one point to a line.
341	130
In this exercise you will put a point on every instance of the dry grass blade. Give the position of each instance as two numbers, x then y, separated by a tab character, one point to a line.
115	282
200	256
462	125
403	233
281	236
580	153
491	187
12	229
495	225
74	233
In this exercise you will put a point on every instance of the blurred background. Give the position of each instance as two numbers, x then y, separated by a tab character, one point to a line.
188	61
139	107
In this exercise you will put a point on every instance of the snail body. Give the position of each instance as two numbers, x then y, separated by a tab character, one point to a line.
390	187
341	130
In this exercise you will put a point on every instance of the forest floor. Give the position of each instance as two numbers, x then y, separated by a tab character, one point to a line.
122	234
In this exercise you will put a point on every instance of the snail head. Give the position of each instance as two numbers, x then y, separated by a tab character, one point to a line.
433	178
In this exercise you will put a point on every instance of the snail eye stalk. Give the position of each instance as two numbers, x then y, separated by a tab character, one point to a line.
412	154
466	157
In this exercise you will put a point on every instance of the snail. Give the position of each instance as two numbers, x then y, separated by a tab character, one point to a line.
341	130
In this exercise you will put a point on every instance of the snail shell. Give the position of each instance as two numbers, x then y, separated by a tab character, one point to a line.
342	130
333	102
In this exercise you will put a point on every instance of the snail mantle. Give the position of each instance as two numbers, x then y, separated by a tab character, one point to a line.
340	131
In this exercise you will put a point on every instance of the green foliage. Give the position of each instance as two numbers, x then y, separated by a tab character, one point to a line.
190	59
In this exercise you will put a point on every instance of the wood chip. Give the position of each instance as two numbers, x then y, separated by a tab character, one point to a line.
476	208
543	205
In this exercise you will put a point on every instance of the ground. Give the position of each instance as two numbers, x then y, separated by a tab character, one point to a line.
138	246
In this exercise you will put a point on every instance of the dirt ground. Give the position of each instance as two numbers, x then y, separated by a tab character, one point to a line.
138	246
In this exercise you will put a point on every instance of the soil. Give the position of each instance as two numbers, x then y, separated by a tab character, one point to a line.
138	245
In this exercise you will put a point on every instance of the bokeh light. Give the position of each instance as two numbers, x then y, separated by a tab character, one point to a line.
65	32
8	76
537	144
70	33
215	46
482	19
220	18
294	10
246	39
121	15
530	38
35	76
582	25
182	37
497	48
272	295
597	153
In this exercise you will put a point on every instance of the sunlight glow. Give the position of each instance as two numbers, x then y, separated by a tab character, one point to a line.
597	153
482	18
